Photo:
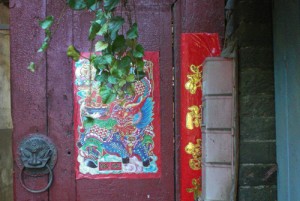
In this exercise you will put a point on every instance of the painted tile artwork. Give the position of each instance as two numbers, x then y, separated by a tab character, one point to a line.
120	139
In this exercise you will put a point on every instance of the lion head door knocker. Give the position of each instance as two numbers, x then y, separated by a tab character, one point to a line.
37	157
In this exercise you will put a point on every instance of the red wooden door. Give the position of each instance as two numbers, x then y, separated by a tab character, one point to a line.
42	102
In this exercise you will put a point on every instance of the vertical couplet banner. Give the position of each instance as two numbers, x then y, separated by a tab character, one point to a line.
195	47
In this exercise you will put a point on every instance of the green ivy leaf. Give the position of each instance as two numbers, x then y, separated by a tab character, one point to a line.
99	63
47	22
129	89
122	83
107	94
48	33
140	63
108	15
139	74
31	67
115	24
119	44
94	29
103	77
103	29
121	68
139	51
100	66
100	45
95	6
77	4
43	47
117	72
120	93
107	59
112	79
132	33
100	14
125	62
110	5
130	78
73	53
90	3
130	42
92	57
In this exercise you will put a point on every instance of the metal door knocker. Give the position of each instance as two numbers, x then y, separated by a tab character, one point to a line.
37	157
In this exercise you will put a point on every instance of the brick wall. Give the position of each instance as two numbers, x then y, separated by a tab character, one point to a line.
253	20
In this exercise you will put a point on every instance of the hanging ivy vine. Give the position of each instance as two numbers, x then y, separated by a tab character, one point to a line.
117	57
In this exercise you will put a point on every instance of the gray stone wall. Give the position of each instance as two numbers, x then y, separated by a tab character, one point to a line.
254	42
6	193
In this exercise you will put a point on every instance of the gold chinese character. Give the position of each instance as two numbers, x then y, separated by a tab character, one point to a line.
196	188
193	117
194	80
195	151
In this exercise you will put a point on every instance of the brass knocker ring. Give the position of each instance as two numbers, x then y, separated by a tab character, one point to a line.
41	190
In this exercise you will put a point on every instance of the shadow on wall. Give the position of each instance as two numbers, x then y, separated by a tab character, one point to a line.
6	186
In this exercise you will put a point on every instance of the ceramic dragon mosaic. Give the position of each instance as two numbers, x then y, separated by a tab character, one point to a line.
119	139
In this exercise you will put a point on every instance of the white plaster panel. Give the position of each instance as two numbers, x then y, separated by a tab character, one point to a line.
218	76
217	147
218	112
217	182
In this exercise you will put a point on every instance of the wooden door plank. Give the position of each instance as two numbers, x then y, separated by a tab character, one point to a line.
60	102
29	109
155	34
203	16
177	80
167	100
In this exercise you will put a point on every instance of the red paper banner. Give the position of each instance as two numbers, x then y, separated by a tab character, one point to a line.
195	47
120	139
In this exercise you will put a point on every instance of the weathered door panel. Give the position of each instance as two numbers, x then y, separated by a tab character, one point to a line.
154	20
29	99
60	102
43	101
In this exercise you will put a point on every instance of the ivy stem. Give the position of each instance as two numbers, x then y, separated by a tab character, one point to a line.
128	12
61	15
